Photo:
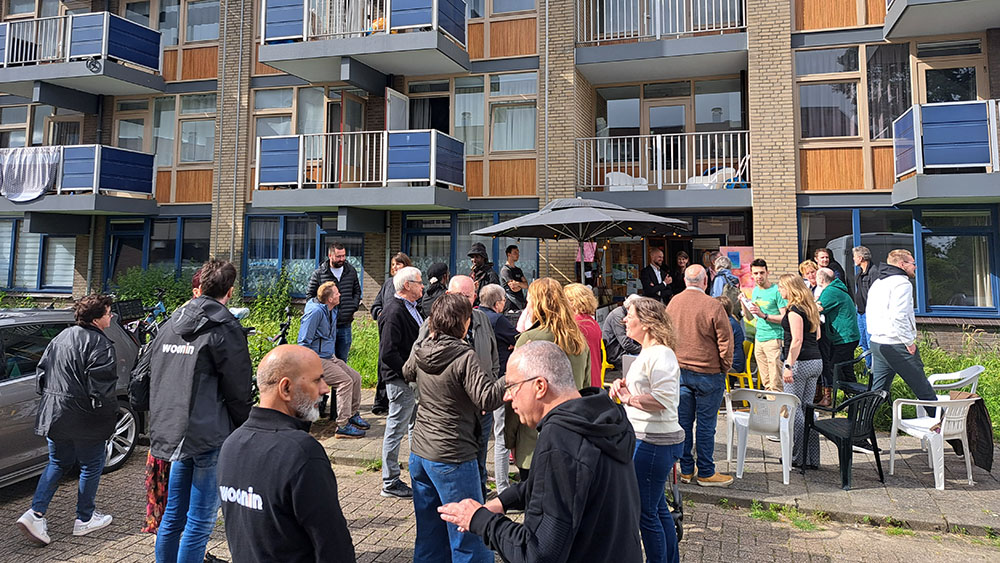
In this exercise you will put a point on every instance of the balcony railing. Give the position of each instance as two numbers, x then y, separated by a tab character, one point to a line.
308	20
361	159
617	21
30	172
669	161
98	35
956	135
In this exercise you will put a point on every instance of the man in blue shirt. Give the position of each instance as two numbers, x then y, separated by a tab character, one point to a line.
318	332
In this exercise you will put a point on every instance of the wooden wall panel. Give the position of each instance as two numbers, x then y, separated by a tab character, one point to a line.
832	169
194	186
823	14
474	178
163	186
476	40
513	38
882	165
260	68
170	65
512	177
876	11
200	63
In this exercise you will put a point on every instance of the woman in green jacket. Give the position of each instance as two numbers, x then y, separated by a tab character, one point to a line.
552	320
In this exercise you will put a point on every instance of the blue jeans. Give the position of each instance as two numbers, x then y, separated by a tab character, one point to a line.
192	504
864	342
343	346
701	395
63	455
484	441
399	421
436	484
652	468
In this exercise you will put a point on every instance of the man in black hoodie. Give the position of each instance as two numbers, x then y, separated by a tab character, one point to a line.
199	393
581	499
279	494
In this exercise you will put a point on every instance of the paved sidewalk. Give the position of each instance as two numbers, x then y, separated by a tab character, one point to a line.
908	496
383	530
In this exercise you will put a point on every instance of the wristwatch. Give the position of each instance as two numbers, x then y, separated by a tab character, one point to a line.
788	365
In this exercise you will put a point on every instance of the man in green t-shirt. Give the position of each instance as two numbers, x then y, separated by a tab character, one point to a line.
768	307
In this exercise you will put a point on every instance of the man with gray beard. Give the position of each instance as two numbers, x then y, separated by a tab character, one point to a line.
279	493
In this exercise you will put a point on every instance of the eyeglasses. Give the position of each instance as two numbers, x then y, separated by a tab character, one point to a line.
508	388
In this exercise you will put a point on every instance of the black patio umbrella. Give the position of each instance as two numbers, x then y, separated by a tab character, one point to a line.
583	220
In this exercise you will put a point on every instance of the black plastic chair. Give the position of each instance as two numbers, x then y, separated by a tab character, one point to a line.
851	388
857	429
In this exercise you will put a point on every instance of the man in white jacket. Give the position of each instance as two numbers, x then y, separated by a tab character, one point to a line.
893	328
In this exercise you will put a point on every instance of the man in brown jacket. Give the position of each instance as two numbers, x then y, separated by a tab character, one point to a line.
704	349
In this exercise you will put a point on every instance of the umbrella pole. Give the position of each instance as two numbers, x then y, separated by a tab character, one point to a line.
582	279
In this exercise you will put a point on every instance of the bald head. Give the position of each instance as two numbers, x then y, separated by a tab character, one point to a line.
695	276
290	379
463	285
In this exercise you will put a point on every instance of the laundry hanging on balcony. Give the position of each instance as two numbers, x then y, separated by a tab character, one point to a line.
26	173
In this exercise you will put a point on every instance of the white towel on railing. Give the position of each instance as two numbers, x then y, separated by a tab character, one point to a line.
26	173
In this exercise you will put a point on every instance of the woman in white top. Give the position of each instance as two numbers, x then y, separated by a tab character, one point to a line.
650	392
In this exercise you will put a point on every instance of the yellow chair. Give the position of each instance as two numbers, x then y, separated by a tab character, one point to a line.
605	366
744	377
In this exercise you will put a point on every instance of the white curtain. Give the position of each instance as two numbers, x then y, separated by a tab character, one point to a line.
26	173
513	127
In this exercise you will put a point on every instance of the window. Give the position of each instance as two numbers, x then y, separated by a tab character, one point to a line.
617	111
276	114
310	111
202	20
131	133
40	262
19	7
513	126
888	86
198	140
179	245
262	250
469	113
833	229
164	116
23	346
520	84
475	8
138	12
829	110
299	257
826	61
667	89
718	105
503	6
170	12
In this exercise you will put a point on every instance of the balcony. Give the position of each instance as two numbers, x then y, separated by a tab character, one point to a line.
629	40
947	153
667	171
913	18
79	55
421	169
78	180
308	38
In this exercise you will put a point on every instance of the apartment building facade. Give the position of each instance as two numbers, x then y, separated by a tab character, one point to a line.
260	130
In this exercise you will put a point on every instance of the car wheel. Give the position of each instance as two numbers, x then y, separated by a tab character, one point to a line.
122	442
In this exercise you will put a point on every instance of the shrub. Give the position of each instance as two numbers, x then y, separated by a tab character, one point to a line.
136	283
364	350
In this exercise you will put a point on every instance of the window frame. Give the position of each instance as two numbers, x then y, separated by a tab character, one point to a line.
34	14
127	226
921	307
39	287
182	17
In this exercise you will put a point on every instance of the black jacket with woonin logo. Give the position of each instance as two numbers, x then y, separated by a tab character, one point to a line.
279	494
199	382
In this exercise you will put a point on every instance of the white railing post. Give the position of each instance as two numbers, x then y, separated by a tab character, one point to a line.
104	36
97	169
918	139
434	15
263	22
302	161
433	171
993	107
256	170
305	21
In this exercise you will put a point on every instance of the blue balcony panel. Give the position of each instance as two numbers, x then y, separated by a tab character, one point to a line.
283	19
279	161
915	18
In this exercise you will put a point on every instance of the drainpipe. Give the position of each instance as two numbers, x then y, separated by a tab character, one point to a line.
90	255
221	115
546	132
236	145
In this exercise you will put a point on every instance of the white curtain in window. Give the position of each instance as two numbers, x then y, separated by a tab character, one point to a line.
981	269
60	257
203	20
26	259
6	240
513	127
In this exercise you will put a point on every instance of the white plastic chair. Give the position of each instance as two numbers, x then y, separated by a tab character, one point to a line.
771	414
955	380
950	419
622	182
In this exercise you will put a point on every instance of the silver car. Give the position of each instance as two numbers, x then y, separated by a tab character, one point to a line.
24	334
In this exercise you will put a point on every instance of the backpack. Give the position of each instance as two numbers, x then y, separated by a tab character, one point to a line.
138	382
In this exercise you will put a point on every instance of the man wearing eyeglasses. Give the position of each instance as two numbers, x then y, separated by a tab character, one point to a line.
581	498
893	327
398	325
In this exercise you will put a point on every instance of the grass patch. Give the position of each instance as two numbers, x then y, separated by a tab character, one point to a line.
724	502
799	519
372	465
364	349
771	514
897	531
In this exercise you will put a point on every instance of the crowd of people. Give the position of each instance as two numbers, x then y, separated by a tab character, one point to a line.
468	358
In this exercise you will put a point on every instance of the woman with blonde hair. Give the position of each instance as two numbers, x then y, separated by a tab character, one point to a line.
553	321
650	392
584	306
808	269
803	363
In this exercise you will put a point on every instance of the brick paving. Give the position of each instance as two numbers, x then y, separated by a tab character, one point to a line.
383	530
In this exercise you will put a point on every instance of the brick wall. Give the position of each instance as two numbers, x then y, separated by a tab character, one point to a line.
375	262
229	198
82	253
993	60
772	133
962	335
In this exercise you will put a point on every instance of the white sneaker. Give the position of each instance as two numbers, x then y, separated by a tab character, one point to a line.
96	522
35	528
